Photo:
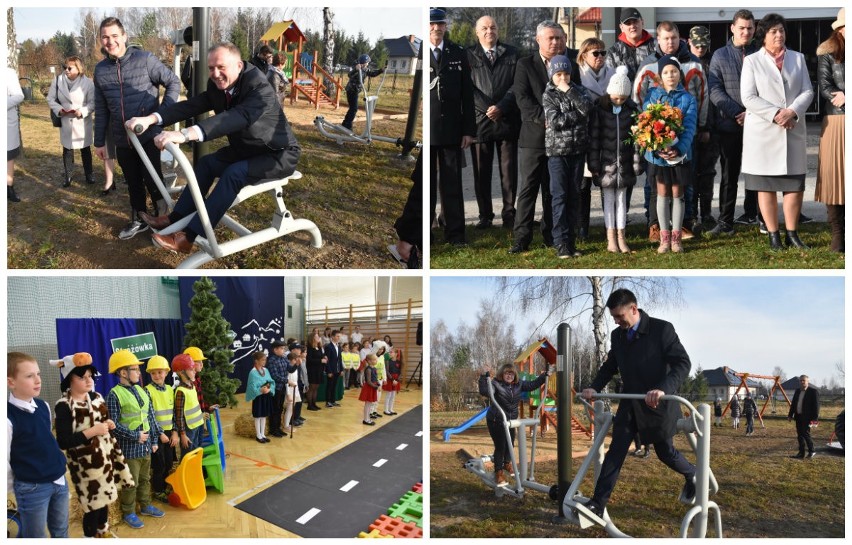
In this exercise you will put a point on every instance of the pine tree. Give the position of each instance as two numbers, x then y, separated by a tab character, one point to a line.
210	332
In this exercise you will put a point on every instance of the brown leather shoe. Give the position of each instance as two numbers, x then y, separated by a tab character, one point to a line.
157	222
176	242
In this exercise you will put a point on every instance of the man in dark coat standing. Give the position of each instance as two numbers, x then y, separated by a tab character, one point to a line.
333	369
804	409
647	353
261	145
492	67
530	80
452	124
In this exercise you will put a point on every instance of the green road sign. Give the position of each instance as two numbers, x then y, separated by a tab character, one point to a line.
143	345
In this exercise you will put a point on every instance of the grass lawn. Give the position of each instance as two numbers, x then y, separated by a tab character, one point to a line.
748	249
762	491
352	192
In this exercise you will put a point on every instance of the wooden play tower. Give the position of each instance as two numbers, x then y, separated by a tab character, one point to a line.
525	362
308	79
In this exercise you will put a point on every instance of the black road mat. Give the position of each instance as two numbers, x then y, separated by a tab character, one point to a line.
311	503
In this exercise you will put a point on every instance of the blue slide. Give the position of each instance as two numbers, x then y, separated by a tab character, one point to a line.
468	423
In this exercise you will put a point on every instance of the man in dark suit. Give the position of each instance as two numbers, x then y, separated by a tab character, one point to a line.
492	67
647	354
333	369
530	80
261	145
452	125
804	409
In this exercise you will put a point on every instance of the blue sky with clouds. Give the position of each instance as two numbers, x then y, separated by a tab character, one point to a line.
747	323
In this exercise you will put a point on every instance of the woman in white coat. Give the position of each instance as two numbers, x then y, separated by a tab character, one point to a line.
776	91
14	96
72	98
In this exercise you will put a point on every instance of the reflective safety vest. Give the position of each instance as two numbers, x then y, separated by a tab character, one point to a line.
191	407
132	415
164	405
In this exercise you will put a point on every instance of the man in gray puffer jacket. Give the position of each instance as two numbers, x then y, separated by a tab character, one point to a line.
127	85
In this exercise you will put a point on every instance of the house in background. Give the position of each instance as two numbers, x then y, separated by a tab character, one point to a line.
402	54
722	383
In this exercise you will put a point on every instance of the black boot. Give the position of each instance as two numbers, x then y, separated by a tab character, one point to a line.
791	239
67	182
836	221
775	241
11	195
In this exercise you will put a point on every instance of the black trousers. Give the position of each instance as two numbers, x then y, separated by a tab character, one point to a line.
409	226
85	157
731	157
706	156
161	465
277	408
502	448
803	434
445	176
622	437
352	99
331	388
534	178
95	520
482	158
138	179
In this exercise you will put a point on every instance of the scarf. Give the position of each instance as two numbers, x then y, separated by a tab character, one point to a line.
596	83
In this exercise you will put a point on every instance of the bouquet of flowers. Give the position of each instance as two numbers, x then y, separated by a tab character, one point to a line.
657	127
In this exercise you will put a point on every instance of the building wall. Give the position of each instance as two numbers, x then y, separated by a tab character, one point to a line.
402	65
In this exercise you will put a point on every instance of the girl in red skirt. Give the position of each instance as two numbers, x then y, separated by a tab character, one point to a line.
369	389
393	372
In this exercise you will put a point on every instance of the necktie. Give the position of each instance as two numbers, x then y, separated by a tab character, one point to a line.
438	56
227	100
490	55
631	333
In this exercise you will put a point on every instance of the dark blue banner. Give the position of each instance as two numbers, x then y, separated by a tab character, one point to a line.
254	306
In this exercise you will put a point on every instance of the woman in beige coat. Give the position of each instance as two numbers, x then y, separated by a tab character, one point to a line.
72	98
776	91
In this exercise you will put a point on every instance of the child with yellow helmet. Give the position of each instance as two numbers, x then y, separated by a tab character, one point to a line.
189	418
198	357
136	431
163	399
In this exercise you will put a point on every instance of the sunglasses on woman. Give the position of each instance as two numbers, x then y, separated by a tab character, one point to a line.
598	53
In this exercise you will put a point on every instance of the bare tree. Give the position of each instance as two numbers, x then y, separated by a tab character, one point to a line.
11	40
778	372
328	39
841	370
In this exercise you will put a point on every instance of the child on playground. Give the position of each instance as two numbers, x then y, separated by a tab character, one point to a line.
614	162
189	420
36	465
717	412
292	395
392	384
95	462
670	167
137	433
260	390
507	394
163	399
566	141
355	85
369	389
735	411
749	411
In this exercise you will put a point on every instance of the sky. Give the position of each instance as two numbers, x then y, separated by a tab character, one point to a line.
42	23
750	324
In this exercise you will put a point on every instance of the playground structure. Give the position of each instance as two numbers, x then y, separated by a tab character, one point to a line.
282	223
744	377
696	427
308	79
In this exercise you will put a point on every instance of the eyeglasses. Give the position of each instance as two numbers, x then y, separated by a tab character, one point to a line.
598	53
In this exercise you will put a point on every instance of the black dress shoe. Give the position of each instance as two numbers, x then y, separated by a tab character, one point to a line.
517	249
775	241
799	455
791	239
11	195
67	182
90	179
106	191
483	224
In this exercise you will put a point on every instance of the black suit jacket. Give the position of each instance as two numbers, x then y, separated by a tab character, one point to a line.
492	86
810	404
335	358
653	360
530	81
253	122
450	97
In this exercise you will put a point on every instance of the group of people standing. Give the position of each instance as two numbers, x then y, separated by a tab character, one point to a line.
743	105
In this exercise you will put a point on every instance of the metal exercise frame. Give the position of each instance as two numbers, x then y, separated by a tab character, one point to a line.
341	134
696	428
283	222
524	469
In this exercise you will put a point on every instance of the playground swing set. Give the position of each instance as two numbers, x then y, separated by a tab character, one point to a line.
696	427
743	385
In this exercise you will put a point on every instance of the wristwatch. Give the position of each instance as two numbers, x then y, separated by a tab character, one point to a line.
185	132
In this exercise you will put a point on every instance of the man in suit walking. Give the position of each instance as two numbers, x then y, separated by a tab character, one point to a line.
530	80
333	369
261	145
452	123
805	410
647	354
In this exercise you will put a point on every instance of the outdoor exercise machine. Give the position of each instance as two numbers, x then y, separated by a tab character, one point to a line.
341	134
283	222
696	428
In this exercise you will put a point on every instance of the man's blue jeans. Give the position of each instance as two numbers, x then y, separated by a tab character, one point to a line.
40	504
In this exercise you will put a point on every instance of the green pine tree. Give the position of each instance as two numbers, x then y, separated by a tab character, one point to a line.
210	332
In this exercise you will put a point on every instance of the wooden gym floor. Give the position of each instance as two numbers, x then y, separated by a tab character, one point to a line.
252	467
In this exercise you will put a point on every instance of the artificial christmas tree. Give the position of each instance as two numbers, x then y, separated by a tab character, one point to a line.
210	332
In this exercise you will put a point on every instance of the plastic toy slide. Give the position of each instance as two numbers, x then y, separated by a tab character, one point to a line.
468	423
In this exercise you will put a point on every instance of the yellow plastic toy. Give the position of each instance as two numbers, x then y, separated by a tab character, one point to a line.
188	482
